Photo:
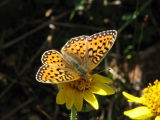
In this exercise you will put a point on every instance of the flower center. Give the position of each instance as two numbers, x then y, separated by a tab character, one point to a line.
81	84
152	97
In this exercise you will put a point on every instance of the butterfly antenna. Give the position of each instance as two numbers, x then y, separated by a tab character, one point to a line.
116	75
101	71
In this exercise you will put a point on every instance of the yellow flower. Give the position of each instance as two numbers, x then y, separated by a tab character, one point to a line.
73	93
150	101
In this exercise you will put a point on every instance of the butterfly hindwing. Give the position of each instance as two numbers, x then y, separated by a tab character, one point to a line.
76	48
55	69
53	57
75	52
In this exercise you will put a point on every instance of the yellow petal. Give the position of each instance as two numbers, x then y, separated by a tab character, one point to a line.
157	118
78	102
139	113
132	98
69	98
98	90
100	78
60	97
102	89
91	99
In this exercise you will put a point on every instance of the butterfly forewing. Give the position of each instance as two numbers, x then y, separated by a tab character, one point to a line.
98	46
49	73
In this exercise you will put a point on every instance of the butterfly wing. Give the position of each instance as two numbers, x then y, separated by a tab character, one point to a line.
86	52
98	46
53	57
75	51
55	69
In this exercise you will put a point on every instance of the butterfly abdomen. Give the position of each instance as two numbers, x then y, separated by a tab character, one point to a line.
76	65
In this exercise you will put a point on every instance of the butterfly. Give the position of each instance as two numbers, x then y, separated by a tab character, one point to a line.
78	57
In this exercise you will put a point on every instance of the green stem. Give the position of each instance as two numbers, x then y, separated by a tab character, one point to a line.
73	113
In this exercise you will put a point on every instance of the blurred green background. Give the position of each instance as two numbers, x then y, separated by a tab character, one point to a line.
30	27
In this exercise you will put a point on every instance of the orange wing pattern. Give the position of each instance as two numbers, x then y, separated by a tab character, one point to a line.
53	57
79	56
55	69
98	46
52	74
75	49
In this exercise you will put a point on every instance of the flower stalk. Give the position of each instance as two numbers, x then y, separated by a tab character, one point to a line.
73	115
